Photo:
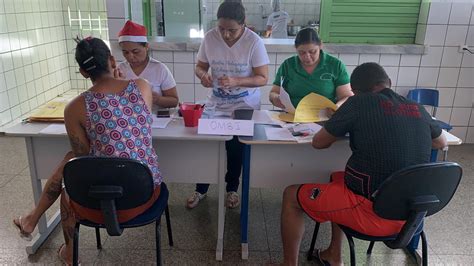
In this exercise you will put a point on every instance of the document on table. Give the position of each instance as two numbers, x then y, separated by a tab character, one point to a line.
52	111
265	117
57	129
160	122
303	133
278	133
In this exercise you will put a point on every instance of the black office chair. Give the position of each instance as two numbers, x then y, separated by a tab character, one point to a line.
111	184
410	194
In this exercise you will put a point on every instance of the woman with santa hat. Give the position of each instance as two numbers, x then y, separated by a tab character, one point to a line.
135	48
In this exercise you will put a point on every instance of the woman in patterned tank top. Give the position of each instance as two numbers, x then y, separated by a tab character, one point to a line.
111	119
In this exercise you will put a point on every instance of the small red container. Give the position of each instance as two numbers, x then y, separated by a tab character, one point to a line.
191	113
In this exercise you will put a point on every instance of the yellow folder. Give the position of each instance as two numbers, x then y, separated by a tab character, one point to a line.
52	111
312	108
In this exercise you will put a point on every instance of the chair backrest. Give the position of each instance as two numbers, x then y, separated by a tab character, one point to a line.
413	193
81	174
396	197
424	96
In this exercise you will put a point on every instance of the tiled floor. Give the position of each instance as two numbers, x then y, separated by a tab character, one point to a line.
450	232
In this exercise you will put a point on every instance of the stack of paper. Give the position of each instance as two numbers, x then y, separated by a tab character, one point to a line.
52	111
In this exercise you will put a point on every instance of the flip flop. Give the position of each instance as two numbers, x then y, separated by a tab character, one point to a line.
317	256
23	234
62	259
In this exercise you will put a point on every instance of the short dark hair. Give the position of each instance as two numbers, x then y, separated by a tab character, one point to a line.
232	10
92	55
306	36
367	75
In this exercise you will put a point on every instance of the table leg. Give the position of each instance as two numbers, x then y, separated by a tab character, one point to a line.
244	211
221	207
44	227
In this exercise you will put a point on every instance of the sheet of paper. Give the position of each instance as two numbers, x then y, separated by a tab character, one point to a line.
285	100
452	140
160	122
310	109
263	117
278	133
304	133
54	129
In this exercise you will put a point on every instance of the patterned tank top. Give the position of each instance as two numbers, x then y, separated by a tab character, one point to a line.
119	125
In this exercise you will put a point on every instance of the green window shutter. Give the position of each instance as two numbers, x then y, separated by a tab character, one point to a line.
369	21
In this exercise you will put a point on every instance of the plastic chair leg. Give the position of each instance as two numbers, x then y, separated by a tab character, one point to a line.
75	246
309	256
371	246
351	247
168	226
158	241
97	238
424	249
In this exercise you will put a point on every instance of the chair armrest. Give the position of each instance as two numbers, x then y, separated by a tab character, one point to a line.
408	230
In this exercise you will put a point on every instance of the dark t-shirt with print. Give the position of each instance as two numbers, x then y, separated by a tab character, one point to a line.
387	133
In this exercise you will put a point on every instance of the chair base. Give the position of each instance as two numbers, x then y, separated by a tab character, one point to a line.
423	258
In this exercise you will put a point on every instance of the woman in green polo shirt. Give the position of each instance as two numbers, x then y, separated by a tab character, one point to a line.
312	70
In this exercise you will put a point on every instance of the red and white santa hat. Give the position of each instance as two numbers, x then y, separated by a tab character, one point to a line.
132	32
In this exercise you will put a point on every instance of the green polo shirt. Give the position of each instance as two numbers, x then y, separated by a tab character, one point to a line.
326	77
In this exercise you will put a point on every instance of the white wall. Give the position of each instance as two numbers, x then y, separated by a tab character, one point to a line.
36	50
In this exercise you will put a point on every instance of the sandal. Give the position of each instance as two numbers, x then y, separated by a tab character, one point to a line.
233	200
23	234
317	256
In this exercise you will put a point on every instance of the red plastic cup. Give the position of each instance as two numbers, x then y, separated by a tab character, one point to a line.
191	113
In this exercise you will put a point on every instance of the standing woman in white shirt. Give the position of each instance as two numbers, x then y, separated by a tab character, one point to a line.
277	22
238	62
135	48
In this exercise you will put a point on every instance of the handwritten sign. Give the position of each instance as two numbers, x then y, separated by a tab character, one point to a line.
225	127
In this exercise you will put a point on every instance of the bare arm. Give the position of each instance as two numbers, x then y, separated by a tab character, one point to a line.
342	93
275	97
202	74
269	31
323	139
439	142
259	78
74	119
169	98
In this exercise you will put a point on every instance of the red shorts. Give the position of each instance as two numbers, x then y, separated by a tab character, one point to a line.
96	216
336	203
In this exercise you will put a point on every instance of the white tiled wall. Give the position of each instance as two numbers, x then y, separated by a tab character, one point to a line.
445	68
449	25
35	51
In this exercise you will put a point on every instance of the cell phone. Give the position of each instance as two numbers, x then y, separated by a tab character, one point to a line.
163	113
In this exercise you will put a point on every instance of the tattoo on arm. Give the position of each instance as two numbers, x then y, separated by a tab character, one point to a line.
78	147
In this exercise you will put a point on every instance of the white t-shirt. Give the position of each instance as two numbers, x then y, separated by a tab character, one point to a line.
236	61
279	21
155	72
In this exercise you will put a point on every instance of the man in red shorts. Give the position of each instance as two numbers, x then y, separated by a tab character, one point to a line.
387	133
